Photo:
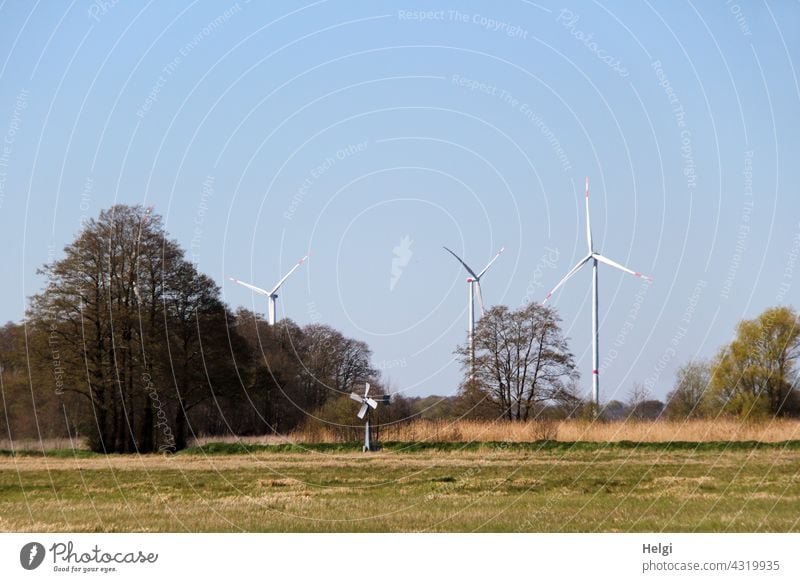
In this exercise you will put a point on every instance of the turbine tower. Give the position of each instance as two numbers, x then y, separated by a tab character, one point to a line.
367	406
595	258
474	282
272	295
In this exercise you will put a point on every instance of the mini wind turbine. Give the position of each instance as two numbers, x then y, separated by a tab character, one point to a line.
594	257
474	281
272	295
367	406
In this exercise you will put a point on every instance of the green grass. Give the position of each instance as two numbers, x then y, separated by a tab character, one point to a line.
404	447
545	486
236	448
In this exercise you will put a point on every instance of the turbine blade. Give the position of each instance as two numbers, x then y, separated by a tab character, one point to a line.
356	397
286	276
366	390
362	413
574	270
611	263
486	268
471	272
588	221
480	299
258	290
372	403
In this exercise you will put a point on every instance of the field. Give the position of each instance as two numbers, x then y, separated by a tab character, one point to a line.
490	487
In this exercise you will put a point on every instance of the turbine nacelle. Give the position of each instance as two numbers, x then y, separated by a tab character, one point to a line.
476	278
272	294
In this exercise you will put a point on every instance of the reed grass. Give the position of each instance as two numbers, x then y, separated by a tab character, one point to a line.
467	431
464	431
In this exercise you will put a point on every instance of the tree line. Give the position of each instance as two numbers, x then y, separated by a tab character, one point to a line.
131	348
525	370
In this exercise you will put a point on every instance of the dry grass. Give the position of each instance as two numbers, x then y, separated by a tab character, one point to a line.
466	431
42	444
80	444
267	439
726	430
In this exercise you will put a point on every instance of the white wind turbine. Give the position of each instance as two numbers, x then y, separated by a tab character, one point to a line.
474	282
594	257
273	294
367	403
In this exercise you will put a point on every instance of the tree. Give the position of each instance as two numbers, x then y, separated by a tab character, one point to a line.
637	396
203	352
474	402
297	371
641	406
686	398
649	409
521	361
32	402
432	407
614	410
131	320
752	375
264	406
331	364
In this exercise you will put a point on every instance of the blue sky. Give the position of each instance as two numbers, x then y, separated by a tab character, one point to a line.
263	132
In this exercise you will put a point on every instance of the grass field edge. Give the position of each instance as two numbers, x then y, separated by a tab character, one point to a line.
436	446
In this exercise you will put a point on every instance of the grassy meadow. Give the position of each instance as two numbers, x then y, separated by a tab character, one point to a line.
426	486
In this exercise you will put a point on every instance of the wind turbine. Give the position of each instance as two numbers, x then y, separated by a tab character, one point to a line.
595	258
474	281
367	403
273	294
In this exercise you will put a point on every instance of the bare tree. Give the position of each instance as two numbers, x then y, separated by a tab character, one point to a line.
686	398
330	363
297	372
131	319
521	361
637	396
